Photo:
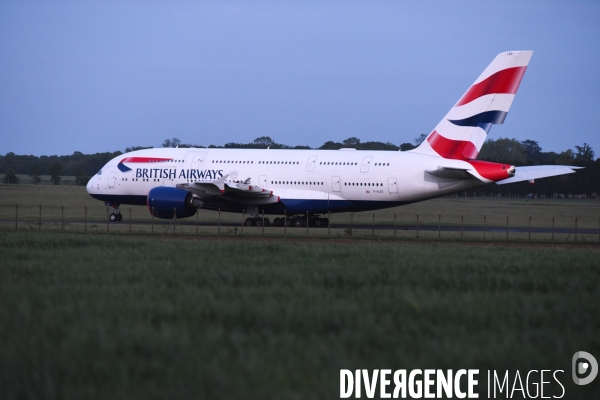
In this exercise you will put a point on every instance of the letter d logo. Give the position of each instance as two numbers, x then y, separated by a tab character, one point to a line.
580	368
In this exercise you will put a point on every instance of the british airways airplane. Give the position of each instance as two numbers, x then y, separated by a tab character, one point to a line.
311	183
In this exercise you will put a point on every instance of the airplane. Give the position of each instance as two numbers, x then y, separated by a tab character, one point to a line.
306	185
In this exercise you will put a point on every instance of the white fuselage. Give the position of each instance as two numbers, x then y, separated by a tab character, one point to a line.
317	181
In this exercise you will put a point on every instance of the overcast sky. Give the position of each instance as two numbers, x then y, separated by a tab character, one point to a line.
96	76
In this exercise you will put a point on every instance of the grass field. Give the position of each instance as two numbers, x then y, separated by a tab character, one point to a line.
120	317
495	210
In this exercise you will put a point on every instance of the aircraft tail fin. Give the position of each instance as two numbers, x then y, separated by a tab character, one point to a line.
461	133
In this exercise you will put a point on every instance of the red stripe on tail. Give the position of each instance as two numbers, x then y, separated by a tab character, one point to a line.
454	149
506	81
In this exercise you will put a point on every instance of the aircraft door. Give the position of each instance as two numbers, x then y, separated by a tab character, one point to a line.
310	164
336	184
393	185
366	163
262	181
197	160
112	177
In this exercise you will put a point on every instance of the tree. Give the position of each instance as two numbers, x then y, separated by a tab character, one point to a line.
567	157
331	145
54	171
171	142
10	176
407	146
264	141
532	150
584	154
505	150
420	139
352	141
36	173
80	176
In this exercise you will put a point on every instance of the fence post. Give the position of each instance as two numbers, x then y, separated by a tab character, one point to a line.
263	224
306	222
40	223
329	224
84	217
351	222
107	220
417	225
530	228
507	227
394	224
284	222
440	222
198	212
553	228
152	213
129	219
484	226
16	216
373	226
243	219
461	226
174	219
219	229
575	228
62	218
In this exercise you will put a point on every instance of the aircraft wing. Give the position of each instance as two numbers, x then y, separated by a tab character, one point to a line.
240	192
537	172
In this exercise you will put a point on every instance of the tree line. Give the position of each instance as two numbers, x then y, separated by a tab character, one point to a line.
503	150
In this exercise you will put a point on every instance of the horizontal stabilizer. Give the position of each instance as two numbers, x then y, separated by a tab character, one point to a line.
537	172
451	173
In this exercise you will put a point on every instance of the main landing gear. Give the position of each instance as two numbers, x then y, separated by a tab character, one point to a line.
300	221
257	221
296	221
116	215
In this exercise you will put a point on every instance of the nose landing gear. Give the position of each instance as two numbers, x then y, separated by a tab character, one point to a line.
116	215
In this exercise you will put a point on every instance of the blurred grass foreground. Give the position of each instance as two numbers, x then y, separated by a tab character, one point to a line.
124	317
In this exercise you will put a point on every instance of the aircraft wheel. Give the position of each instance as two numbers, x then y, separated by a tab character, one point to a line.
267	222
249	222
288	222
113	217
258	222
325	222
297	223
119	217
317	222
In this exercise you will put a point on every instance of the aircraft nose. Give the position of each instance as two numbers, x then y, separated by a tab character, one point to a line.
88	187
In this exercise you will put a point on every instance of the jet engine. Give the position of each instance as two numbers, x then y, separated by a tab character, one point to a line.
164	201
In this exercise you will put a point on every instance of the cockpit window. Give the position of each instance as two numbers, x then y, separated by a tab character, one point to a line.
100	172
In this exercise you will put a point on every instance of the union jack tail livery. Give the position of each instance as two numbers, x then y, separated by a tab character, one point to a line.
461	133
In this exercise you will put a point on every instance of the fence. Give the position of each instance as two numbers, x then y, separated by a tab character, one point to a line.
385	223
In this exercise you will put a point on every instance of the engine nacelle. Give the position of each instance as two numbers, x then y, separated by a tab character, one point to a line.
163	201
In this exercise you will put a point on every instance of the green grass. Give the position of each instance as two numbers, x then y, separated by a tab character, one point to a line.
121	317
75	200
